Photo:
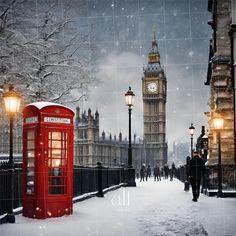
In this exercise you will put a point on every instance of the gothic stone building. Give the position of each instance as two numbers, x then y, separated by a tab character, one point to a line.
154	88
220	80
111	151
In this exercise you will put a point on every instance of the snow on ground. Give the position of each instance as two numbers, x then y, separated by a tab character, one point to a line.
151	208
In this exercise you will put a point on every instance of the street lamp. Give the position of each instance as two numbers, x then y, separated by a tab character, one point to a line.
129	98
12	102
218	124
191	132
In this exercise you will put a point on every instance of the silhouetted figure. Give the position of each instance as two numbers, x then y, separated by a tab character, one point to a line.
196	170
172	171
142	172
162	172
157	173
166	171
148	174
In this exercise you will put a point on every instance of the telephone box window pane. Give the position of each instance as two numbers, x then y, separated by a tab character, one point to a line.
56	144
30	154
56	135
30	135
56	153
30	163
55	163
30	142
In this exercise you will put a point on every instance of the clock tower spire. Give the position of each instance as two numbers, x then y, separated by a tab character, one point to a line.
154	90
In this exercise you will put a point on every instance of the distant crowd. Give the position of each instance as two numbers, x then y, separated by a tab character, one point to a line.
158	172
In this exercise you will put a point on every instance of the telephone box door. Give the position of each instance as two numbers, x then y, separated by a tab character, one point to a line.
56	160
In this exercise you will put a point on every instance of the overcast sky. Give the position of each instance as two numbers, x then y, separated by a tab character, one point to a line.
123	35
122	32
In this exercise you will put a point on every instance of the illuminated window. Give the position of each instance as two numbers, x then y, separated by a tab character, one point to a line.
57	162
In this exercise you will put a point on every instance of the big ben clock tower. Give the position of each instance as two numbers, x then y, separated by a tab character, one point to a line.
154	88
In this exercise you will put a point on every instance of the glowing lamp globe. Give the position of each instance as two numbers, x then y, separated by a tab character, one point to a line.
218	123
12	101
129	97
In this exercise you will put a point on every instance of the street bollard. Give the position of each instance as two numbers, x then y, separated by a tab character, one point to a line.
186	183
100	189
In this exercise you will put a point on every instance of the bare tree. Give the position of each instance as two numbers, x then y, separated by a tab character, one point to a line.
45	53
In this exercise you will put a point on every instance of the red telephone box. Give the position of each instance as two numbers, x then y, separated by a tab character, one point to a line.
47	160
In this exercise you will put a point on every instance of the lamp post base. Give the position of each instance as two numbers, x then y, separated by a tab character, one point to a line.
220	193
11	218
131	177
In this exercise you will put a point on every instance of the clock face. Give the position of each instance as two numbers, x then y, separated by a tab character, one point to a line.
152	87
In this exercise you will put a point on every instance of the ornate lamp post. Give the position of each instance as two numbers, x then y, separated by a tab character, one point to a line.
12	104
129	98
186	183
191	132
218	124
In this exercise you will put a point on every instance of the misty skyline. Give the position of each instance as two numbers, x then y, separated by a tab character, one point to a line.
120	32
123	35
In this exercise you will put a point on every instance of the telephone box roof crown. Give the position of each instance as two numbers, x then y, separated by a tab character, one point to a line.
41	105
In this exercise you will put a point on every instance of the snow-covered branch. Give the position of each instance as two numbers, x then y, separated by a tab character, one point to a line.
42	56
57	29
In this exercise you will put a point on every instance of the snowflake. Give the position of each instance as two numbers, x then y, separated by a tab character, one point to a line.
103	50
191	53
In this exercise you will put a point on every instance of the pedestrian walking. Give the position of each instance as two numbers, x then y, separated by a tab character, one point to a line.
196	170
166	171
172	171
156	173
142	172
149	171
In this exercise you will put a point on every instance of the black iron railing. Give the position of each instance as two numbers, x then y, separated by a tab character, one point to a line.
85	180
210	179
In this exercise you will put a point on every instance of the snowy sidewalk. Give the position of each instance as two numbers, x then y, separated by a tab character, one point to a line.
152	208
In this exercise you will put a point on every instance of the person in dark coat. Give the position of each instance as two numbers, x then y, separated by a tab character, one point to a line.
156	172
149	171
142	172
172	171
196	170
166	171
